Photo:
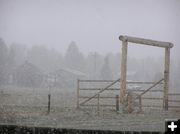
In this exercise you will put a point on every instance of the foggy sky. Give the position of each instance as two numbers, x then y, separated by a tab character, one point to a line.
93	25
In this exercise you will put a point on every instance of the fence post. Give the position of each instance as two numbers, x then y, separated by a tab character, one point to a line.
130	102
78	93
140	104
98	103
49	103
117	102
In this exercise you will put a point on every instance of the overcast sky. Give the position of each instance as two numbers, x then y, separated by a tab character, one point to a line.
93	25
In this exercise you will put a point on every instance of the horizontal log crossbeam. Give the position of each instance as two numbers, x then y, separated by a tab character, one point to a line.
146	41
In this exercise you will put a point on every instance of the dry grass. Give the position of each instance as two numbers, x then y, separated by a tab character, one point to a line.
29	107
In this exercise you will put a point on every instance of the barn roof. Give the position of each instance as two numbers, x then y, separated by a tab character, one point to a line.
72	71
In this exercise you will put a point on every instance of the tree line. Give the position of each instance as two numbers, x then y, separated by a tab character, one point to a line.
93	64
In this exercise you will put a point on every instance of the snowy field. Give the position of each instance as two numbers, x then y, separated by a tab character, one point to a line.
22	106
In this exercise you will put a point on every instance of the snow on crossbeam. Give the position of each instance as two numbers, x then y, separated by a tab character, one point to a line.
145	41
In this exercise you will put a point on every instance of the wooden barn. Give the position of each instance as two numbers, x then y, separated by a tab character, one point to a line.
65	77
28	75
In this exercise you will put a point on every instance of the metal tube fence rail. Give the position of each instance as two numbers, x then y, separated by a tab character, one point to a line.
82	103
139	97
83	99
176	101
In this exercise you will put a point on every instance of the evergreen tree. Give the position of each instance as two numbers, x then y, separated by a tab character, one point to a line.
45	59
17	54
106	73
94	63
73	58
3	62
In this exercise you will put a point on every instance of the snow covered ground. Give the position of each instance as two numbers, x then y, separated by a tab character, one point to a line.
20	108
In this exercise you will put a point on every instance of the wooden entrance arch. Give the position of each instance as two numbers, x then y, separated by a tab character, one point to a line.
166	45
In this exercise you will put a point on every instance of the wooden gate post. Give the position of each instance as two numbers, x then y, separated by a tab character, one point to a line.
166	77
123	71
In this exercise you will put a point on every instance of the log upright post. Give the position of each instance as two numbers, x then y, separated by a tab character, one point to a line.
166	77
123	71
